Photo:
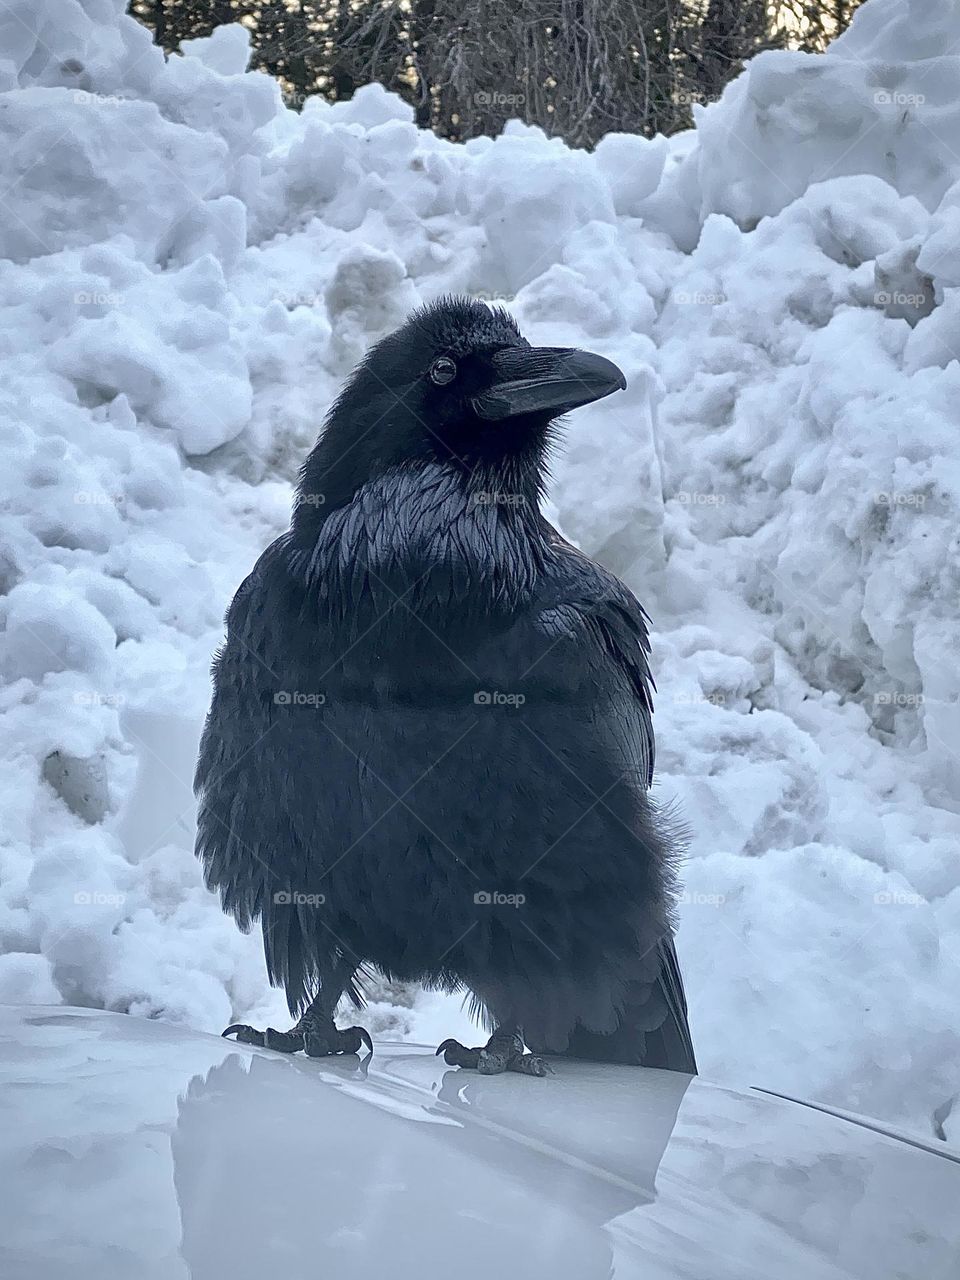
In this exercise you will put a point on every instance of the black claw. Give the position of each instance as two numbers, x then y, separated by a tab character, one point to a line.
352	1038
245	1034
327	1041
457	1055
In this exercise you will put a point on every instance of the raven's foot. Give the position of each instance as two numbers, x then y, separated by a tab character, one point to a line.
316	1037
322	1040
283	1041
502	1052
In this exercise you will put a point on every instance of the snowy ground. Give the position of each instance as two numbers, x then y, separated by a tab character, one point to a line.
189	271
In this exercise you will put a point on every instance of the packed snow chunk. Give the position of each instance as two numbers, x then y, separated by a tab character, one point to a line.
857	219
902	289
48	628
900	31
369	294
320	163
937	342
213	228
793	119
80	782
175	361
226	50
239	109
370	105
529	196
77	170
939	255
26	978
632	167
81	889
607	272
709	754
81	44
778	931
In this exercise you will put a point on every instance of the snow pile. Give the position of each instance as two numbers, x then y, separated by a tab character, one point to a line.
190	271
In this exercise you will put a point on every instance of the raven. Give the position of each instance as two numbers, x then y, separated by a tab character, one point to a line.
429	748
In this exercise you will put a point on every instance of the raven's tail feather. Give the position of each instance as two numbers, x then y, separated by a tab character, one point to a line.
653	1029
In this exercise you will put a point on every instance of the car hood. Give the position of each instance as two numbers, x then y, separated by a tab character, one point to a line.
137	1149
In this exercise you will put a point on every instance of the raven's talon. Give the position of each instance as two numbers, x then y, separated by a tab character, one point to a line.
504	1051
282	1041
326	1041
457	1055
245	1034
530	1064
352	1039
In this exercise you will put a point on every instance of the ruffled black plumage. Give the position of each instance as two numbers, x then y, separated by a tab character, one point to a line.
428	706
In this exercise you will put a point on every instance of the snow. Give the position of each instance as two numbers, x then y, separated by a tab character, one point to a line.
190	271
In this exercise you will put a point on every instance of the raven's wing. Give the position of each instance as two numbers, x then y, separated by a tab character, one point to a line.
653	1029
252	838
614	624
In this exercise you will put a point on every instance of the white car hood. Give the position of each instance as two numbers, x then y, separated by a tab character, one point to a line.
135	1150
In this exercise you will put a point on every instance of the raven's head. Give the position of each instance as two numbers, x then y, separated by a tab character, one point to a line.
456	384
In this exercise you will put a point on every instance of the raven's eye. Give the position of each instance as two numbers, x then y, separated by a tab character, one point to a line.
443	371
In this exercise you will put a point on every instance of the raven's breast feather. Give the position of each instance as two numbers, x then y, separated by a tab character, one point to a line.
398	780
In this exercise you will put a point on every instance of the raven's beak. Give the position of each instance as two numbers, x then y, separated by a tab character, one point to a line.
545	379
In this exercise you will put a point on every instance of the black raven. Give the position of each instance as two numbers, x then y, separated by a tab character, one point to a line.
430	744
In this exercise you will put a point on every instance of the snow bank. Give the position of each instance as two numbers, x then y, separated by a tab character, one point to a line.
190	270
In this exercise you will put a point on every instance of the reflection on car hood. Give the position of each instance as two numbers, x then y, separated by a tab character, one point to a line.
135	1150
